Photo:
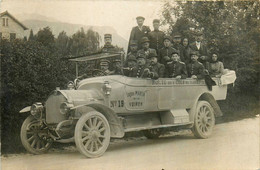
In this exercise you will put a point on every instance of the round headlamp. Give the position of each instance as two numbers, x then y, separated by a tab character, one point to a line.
36	110
65	108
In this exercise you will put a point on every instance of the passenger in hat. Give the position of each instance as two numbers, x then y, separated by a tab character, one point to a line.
108	47
156	67
146	47
138	32
177	44
141	70
130	63
201	47
195	68
164	54
133	48
156	36
118	70
176	68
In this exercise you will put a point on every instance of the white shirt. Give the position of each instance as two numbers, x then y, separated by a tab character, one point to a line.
198	44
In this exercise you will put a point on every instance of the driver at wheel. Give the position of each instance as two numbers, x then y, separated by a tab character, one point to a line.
104	67
142	70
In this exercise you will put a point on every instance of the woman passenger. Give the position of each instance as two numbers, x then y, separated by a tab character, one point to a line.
186	51
216	68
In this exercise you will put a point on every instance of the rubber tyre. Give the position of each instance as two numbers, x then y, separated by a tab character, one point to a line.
26	142
204	120
92	134
152	133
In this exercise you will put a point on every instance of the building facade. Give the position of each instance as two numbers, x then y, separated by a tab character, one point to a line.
11	28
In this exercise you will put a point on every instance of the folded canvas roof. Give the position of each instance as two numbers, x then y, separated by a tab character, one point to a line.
96	56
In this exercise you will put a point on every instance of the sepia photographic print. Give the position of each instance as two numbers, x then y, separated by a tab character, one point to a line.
129	84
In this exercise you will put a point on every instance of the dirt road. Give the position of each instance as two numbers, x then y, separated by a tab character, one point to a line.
233	145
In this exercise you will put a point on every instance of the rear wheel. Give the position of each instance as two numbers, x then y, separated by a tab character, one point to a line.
34	136
152	133
204	120
92	134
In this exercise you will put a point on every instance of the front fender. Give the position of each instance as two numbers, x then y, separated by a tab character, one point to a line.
26	109
116	126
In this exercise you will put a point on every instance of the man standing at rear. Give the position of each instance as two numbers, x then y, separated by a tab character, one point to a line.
156	36
201	47
139	32
108	47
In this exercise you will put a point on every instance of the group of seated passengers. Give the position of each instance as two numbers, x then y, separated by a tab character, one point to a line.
147	66
168	62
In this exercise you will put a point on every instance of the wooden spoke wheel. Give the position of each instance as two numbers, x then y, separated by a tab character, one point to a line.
92	134
34	136
204	120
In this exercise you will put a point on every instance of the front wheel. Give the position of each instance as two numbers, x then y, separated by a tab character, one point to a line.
204	120
34	136
92	134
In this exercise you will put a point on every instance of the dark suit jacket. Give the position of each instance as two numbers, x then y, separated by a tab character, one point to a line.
165	52
158	70
203	49
156	39
174	69
137	34
196	69
138	72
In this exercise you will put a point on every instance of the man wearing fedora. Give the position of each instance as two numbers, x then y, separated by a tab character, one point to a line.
156	67
142	70
146	47
139	31
156	36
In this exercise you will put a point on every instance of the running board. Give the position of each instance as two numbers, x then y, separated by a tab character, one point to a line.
157	126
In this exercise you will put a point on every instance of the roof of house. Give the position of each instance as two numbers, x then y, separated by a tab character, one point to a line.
18	22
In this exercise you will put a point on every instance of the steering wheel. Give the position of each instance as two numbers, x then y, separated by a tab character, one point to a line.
97	72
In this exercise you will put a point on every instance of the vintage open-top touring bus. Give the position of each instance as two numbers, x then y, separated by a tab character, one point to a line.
99	108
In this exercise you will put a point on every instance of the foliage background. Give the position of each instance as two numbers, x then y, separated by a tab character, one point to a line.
31	69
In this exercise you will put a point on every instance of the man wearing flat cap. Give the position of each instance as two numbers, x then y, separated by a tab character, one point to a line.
156	36
164	54
156	67
108	47
146	47
201	47
104	67
175	68
195	68
139	31
177	44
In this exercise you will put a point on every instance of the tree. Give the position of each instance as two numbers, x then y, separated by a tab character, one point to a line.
229	27
45	37
31	36
63	43
84	43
